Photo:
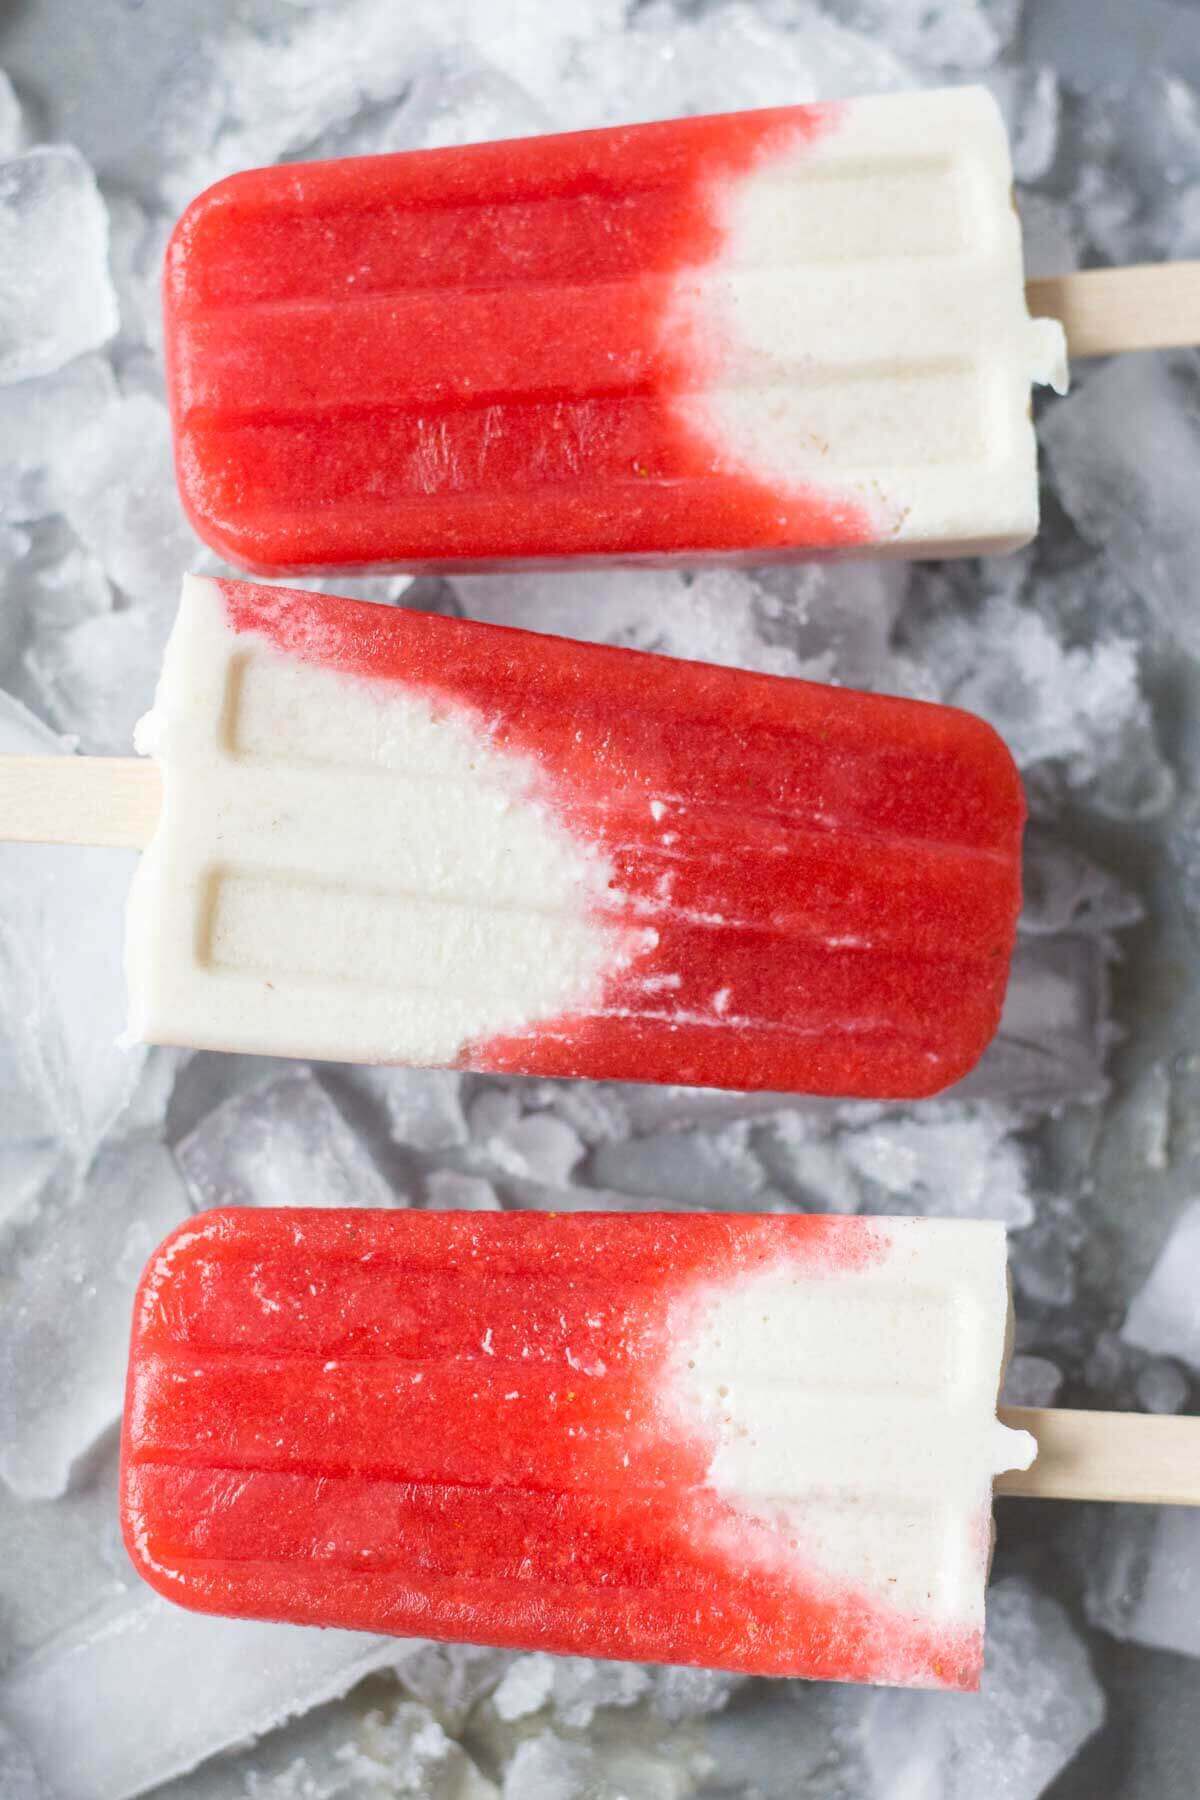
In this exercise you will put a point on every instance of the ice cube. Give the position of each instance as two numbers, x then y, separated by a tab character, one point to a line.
957	1160
18	1778
39	421
1032	1381
1055	1032
1081	709
596	1111
1064	891
646	1107
15	545
800	1153
59	1560
56	299
1032	105
557	1768
1162	1387
1043	1258
60	584
11	123
574	1687
282	1144
719	58
494	1110
968	34
309	1758
525	1687
469	102
454	99
137	244
96	679
450	1191
453	1678
262	88
423	1106
1142	1575
1038	1703
26	1172
791	1740
61	923
1124	451
1049	237
1164	1315
553	1769
406	1752
151	1690
678	1693
1138	160
689	1168
117	488
343	1752
539	1147
67	1279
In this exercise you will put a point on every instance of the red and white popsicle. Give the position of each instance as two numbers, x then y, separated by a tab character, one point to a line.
387	836
756	1443
768	334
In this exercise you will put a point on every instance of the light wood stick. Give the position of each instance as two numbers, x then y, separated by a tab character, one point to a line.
1106	1456
1151	306
109	800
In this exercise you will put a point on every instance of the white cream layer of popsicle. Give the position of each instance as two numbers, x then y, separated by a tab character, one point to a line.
866	325
852	1410
344	868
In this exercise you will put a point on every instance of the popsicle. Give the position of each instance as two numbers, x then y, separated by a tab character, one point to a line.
762	1443
794	332
390	836
757	1443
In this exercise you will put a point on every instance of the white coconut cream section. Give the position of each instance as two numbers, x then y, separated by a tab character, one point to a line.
866	325
345	867
853	1412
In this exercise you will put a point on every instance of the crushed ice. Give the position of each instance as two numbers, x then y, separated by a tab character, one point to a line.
1081	1129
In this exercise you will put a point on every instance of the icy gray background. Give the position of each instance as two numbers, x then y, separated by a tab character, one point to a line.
1081	1130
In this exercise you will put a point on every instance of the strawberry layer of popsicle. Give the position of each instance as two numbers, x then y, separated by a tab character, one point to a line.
388	836
757	1443
767	334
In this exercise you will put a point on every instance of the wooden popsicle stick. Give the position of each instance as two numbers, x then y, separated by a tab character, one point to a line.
108	800
1106	1456
1151	306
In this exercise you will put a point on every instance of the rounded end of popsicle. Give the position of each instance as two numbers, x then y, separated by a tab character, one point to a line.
240	542
187	1242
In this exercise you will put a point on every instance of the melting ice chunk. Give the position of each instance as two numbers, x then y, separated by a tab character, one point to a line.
284	1144
66	1293
60	976
141	1690
1165	1314
1039	1702
56	299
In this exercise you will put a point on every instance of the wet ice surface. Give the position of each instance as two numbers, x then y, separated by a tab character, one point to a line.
1080	1129
72	1259
282	1144
56	295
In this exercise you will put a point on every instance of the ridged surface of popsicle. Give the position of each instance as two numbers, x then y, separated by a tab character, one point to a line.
389	836
795	331
757	1443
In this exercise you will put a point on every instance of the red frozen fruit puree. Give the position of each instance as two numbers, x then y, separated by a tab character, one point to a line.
467	357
